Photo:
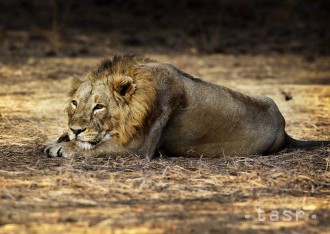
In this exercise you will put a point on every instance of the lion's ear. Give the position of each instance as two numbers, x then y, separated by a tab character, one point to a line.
75	83
124	88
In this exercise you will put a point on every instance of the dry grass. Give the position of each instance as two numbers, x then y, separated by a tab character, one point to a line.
127	194
168	195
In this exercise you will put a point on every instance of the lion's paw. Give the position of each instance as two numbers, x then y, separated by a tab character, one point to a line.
59	150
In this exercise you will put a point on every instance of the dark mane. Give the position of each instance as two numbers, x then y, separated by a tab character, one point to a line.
118	64
105	65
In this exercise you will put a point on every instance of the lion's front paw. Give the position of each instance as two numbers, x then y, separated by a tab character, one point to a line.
59	150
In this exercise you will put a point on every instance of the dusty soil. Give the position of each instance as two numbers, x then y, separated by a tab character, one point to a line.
290	190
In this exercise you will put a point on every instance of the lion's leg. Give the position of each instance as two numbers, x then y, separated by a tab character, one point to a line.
170	90
151	141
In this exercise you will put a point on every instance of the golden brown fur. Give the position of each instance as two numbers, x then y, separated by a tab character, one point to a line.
129	118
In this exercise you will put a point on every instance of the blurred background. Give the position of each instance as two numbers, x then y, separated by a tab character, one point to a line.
98	27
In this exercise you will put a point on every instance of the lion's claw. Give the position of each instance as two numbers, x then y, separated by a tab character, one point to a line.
59	153
59	150
47	150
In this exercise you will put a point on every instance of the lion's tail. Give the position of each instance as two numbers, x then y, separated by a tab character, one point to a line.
293	143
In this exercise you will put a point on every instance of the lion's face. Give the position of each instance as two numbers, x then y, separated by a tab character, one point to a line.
113	104
90	114
105	108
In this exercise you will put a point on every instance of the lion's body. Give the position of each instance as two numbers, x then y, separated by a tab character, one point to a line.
141	106
215	120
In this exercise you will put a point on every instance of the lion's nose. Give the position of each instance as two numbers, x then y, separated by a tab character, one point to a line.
77	131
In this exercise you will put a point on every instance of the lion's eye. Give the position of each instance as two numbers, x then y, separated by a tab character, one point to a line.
74	102
98	107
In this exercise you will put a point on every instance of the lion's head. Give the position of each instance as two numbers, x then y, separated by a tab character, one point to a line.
111	102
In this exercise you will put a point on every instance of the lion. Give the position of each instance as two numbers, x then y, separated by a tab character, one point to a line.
139	106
